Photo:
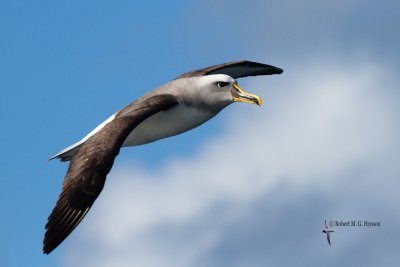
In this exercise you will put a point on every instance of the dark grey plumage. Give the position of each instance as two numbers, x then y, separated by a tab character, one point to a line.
236	69
88	169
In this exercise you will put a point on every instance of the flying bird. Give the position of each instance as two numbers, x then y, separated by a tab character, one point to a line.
176	107
328	232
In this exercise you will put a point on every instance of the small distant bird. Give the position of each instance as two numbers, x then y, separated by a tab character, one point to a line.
328	232
174	108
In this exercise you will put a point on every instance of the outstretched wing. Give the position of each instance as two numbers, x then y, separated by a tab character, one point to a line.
89	167
236	69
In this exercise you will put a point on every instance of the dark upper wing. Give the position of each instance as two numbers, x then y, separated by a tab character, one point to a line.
237	69
89	167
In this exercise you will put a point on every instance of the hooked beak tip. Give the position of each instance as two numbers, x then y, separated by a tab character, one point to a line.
238	94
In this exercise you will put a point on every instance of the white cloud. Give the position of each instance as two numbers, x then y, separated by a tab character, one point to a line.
328	132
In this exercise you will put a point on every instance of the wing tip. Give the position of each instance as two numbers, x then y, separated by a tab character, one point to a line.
60	226
278	70
271	69
47	250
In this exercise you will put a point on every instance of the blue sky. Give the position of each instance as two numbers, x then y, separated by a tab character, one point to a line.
326	136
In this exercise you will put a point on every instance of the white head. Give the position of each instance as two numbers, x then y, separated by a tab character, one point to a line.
216	92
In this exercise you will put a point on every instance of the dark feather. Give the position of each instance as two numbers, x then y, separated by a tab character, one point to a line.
90	165
236	69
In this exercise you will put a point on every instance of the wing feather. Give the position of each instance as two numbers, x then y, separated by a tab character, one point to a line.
89	167
236	69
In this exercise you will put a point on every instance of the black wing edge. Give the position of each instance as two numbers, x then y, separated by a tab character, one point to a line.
236	69
62	221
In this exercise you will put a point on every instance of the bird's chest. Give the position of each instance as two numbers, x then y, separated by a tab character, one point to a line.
163	124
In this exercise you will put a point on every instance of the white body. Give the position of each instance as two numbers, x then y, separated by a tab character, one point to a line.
163	124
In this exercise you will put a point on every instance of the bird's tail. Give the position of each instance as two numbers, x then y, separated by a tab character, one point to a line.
67	153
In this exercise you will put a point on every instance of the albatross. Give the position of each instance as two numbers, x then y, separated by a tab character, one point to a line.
173	108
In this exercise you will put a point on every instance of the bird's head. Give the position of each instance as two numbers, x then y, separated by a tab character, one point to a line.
220	90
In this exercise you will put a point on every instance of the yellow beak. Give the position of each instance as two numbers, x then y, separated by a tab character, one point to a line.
240	95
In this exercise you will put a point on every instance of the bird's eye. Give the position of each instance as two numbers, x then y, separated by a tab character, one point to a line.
222	84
